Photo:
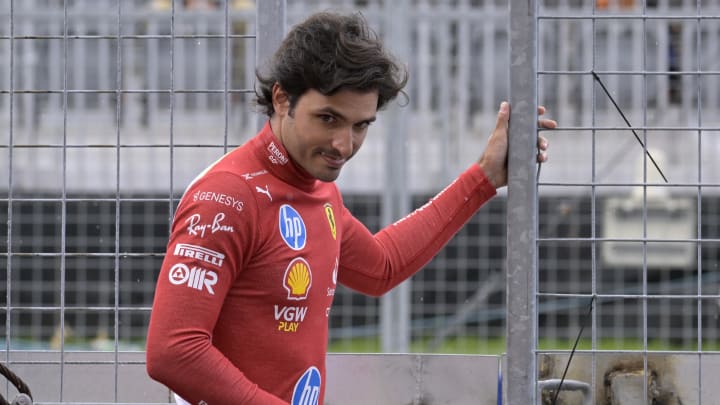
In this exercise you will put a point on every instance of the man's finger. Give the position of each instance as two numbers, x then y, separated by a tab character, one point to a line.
542	143
503	115
547	124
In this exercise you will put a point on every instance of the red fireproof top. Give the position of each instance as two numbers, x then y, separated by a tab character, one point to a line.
256	250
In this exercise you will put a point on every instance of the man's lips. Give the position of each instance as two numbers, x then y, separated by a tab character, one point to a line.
333	161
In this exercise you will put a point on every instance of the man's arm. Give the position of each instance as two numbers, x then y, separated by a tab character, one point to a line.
374	264
196	275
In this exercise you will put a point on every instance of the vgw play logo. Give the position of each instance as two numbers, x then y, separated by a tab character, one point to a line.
307	389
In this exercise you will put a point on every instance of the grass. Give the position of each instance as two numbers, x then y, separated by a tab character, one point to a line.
457	345
463	345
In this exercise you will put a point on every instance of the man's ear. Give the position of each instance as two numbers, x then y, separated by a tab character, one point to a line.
280	99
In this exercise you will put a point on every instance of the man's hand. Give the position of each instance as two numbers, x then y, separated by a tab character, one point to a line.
494	159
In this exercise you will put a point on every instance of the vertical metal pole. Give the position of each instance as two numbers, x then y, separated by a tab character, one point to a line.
522	207
63	214
395	306
699	233
171	191
227	69
10	168
116	258
271	22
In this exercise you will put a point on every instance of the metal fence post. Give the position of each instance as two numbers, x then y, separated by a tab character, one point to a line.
271	21
395	306
522	207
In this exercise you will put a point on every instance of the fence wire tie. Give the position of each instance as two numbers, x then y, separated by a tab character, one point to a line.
572	352
617	107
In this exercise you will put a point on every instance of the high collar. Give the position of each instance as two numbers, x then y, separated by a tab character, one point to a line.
271	152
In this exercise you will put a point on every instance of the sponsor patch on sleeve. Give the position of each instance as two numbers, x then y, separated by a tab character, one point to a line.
193	277
203	254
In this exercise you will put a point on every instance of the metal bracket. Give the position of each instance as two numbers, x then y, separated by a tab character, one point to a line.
22	399
567	385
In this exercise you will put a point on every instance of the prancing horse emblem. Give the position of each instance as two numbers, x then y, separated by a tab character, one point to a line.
331	219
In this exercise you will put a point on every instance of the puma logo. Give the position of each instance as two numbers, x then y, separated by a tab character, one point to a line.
265	191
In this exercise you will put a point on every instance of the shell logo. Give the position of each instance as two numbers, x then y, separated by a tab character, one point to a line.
298	279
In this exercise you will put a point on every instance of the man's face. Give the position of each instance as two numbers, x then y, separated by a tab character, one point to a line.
323	132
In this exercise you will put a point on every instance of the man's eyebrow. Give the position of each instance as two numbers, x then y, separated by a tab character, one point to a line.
339	115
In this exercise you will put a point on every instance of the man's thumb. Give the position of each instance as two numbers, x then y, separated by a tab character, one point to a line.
503	116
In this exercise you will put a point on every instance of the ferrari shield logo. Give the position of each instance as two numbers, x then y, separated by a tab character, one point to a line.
331	219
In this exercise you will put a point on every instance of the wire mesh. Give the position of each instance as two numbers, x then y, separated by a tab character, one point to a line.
110	107
639	235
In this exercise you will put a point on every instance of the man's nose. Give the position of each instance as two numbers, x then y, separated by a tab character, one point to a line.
343	142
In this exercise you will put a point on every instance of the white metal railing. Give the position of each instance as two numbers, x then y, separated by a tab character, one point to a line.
657	68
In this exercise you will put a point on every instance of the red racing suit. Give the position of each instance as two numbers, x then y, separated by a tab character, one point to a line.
257	247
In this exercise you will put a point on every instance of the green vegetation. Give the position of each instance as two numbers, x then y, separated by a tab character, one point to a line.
458	345
463	345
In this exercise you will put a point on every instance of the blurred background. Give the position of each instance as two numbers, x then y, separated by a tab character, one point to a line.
109	108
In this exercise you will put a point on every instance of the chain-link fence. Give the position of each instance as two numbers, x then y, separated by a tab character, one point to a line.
110	108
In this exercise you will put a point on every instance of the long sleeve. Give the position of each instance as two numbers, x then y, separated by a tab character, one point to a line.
205	253
374	264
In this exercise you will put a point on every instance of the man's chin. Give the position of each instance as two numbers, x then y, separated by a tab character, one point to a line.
328	176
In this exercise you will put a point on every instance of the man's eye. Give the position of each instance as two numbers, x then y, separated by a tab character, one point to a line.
362	125
327	118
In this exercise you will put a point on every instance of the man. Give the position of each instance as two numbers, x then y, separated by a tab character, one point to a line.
261	237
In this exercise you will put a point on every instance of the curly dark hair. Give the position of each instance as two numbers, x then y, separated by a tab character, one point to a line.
329	52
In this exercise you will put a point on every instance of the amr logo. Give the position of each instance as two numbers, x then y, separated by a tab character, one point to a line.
194	277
